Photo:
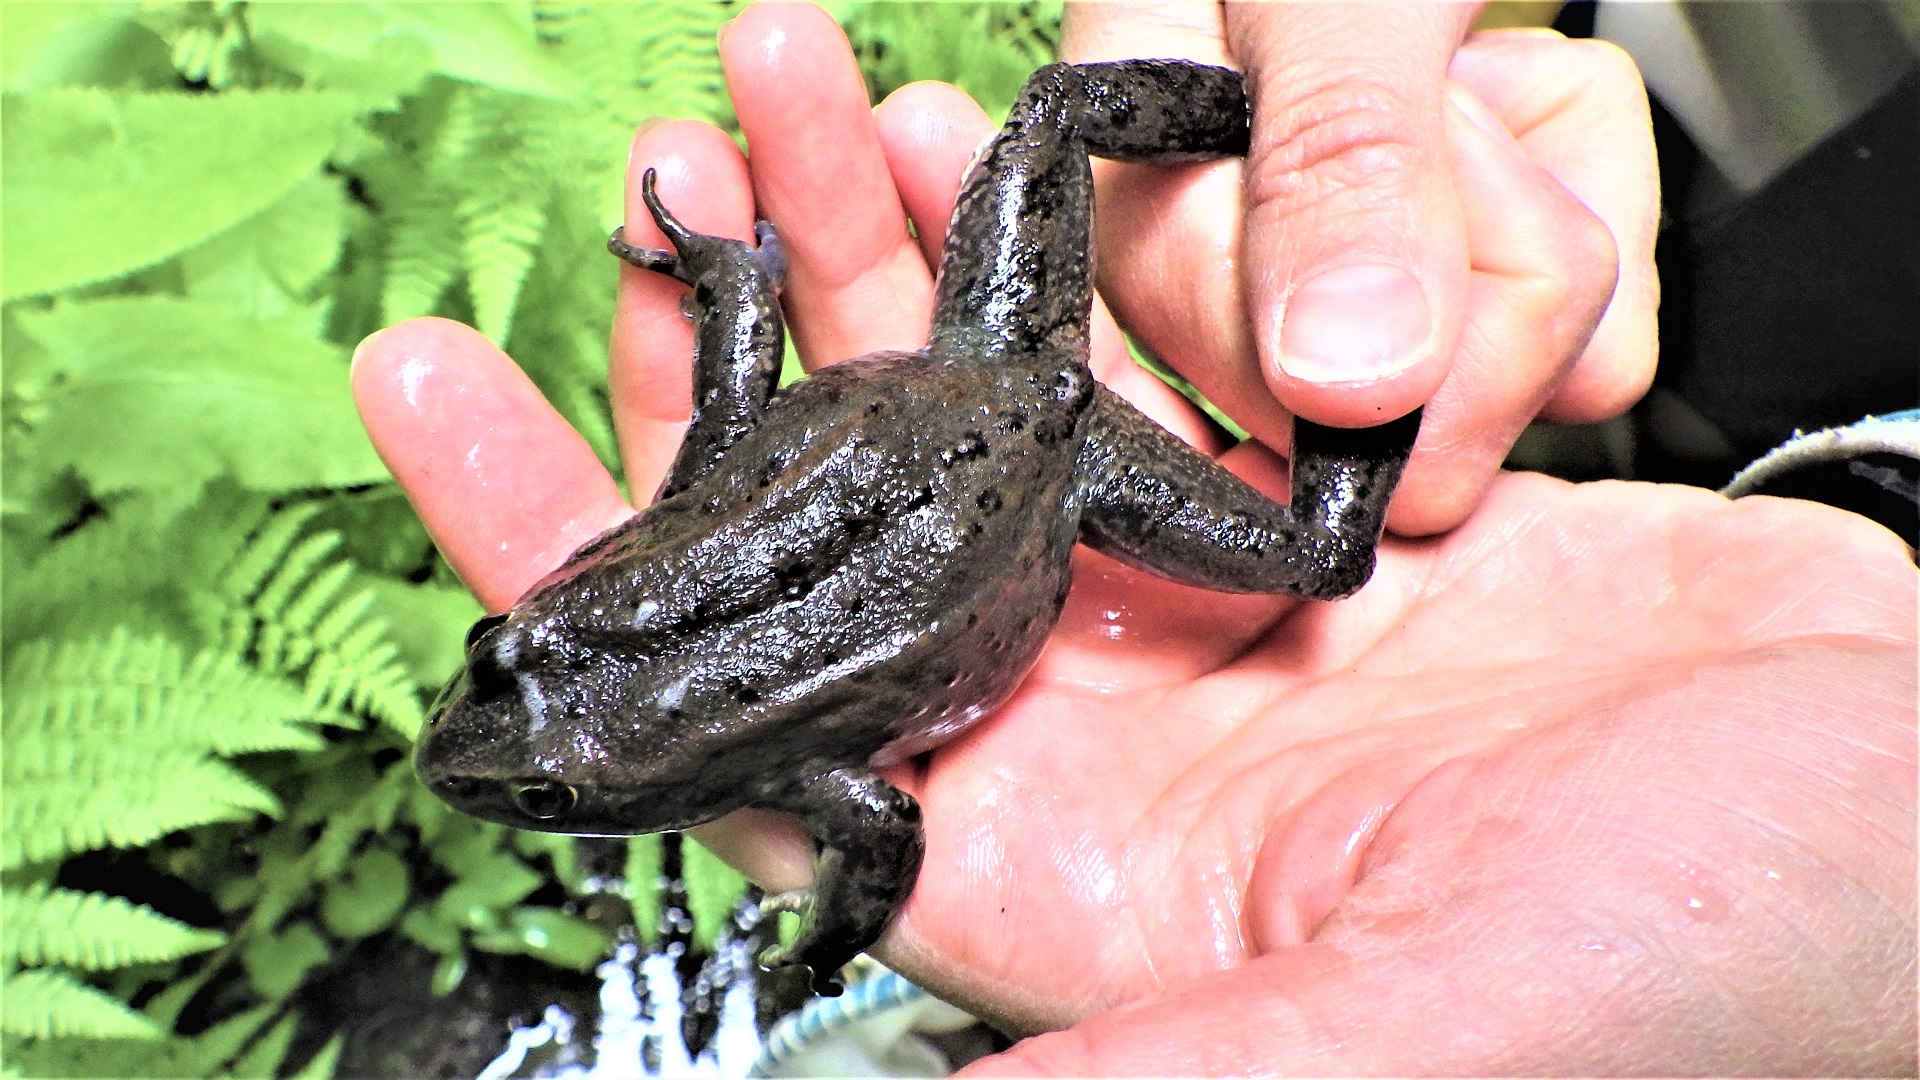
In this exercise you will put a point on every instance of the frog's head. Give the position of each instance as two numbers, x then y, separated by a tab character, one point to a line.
506	742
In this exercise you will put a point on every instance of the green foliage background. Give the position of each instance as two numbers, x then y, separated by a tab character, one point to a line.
221	619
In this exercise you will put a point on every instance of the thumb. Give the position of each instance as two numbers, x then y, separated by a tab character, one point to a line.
1354	255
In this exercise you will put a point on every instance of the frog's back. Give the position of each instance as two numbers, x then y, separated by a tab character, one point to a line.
916	515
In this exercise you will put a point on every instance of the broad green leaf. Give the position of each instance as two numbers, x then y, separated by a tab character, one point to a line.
490	44
263	1058
168	394
277	962
267	265
477	899
89	930
368	898
713	889
46	1004
448	972
214	1047
98	184
430	931
79	44
552	935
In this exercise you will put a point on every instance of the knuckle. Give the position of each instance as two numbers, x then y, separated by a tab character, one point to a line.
1578	266
1604	62
1352	135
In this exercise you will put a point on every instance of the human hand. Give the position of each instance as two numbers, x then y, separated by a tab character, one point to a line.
1382	141
1281	835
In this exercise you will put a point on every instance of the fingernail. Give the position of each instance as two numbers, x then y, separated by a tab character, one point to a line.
1353	323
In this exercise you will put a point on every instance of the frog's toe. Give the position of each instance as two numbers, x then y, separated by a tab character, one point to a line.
771	253
797	901
823	977
661	262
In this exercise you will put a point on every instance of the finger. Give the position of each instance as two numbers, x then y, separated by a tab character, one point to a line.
1119	30
821	177
1169	238
1542	273
929	132
1580	110
702	179
1355	251
506	488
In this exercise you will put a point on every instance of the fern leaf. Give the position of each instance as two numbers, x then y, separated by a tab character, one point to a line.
423	252
300	561
299	618
43	1004
682	74
257	561
123	690
121	799
501	231
92	931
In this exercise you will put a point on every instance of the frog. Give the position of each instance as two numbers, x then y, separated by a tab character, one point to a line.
844	573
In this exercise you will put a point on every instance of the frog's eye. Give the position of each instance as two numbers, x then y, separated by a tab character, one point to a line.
543	799
479	629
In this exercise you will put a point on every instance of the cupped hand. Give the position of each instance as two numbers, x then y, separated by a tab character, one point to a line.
1421	218
1616	777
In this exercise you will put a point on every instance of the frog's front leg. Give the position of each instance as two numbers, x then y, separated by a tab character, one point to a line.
739	338
868	848
1154	502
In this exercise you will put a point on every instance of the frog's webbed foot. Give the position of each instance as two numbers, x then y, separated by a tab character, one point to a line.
868	855
1155	503
739	338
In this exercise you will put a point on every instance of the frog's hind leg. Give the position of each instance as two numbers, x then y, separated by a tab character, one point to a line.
868	850
1156	503
739	338
1016	275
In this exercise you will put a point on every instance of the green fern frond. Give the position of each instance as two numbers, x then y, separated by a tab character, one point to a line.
501	231
91	931
288	604
497	149
423	250
637	61
679	70
291	571
125	691
60	801
43	1004
263	555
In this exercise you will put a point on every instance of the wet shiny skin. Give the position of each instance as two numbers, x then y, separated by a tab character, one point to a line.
855	569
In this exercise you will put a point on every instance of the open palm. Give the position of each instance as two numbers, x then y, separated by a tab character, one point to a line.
1615	777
